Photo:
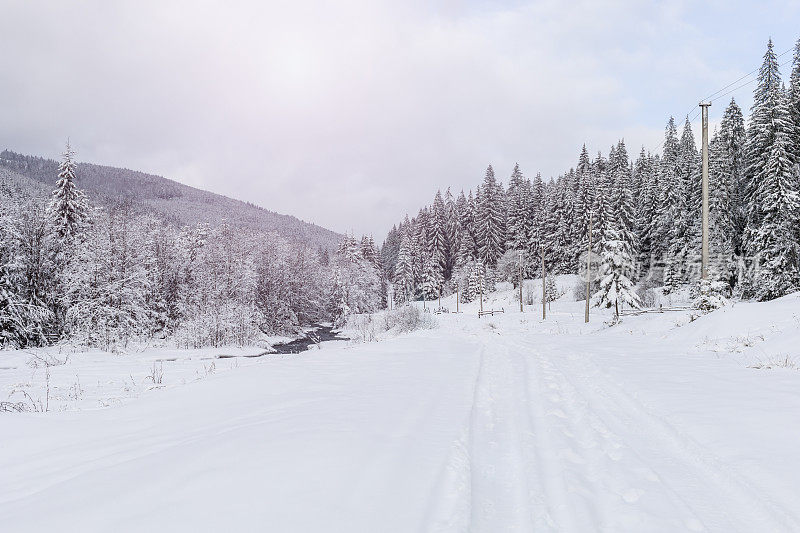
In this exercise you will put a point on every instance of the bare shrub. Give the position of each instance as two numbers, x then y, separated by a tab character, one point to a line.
156	373
14	407
785	361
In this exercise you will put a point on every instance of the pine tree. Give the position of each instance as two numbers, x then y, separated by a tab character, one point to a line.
584	202
68	208
519	211
774	241
431	279
616	287
622	201
490	219
667	237
603	211
772	218
437	231
686	236
537	217
451	234
404	272
721	214
733	137
794	100
13	323
550	290
646	206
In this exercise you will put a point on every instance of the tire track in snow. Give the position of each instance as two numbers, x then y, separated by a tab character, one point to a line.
553	445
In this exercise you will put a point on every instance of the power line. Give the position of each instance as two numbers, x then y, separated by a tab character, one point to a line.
713	96
746	83
743	77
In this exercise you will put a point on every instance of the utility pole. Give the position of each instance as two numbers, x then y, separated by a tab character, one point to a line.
704	269
520	282
480	278
456	297
588	269
544	294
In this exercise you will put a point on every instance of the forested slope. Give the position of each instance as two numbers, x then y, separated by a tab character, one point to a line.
170	200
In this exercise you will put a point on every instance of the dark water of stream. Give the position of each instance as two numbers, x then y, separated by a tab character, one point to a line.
317	335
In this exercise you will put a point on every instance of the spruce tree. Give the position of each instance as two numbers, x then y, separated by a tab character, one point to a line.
733	138
519	211
772	193
794	100
615	285
721	214
404	271
437	232
646	206
490	220
687	231
69	210
537	218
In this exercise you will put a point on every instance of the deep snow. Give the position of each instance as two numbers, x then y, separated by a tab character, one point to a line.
503	423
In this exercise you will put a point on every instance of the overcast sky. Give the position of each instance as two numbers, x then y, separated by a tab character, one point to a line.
351	113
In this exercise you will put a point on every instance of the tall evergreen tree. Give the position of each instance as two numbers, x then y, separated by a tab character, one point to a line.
733	138
794	100
772	218
69	210
519	211
722	228
404	271
490	219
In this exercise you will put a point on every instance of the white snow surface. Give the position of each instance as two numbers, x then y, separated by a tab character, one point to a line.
664	422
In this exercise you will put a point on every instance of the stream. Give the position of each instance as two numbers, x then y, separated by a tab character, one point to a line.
319	334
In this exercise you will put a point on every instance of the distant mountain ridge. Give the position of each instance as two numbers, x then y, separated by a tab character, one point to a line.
173	201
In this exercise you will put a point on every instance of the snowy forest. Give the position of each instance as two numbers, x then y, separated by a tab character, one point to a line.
106	274
644	212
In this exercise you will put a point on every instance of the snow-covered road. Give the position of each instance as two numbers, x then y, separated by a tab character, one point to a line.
505	424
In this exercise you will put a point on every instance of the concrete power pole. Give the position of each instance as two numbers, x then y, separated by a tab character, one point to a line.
481	285
520	282
588	270
544	294
704	268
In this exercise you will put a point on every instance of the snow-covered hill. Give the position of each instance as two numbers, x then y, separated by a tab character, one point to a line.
169	199
507	423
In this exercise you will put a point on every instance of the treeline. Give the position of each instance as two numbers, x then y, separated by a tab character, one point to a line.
111	276
645	214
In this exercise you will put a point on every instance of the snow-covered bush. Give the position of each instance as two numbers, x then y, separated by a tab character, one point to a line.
645	290
711	297
508	267
376	326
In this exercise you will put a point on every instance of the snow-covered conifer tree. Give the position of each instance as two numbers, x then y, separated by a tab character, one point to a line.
490	219
772	218
794	100
69	210
733	137
721	222
404	271
519	212
616	287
